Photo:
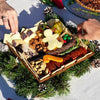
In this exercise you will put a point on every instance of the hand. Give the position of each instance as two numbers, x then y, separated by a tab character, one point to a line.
8	17
90	28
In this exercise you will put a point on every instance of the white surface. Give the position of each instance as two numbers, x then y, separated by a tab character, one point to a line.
29	12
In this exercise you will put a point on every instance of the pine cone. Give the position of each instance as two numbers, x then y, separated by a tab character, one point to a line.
96	63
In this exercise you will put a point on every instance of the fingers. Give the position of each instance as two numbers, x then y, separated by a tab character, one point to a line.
81	29
16	22
1	22
86	37
81	32
90	28
92	19
5	23
82	25
79	26
13	22
10	21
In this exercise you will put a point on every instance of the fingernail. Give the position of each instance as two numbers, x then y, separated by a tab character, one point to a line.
16	32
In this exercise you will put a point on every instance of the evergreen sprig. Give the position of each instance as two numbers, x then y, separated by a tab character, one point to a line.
53	16
26	84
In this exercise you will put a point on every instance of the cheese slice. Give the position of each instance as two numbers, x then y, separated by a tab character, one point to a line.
23	29
11	36
34	29
15	36
7	38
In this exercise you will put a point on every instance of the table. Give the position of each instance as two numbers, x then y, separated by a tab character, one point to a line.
29	12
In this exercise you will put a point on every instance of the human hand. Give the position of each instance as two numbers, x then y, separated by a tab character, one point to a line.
91	29
8	17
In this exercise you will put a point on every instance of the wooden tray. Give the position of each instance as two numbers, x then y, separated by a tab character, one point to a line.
58	71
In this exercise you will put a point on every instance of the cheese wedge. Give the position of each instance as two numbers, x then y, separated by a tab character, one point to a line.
7	38
11	36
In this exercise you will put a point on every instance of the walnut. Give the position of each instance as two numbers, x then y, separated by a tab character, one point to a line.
36	43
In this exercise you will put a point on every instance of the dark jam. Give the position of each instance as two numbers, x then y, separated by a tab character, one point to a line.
29	32
23	36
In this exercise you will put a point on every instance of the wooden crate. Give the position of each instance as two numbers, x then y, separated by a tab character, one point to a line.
58	71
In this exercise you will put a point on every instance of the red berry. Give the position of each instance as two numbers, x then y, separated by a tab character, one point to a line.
65	41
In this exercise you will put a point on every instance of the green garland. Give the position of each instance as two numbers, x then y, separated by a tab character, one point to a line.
26	84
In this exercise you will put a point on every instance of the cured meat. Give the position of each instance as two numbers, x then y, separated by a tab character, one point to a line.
51	67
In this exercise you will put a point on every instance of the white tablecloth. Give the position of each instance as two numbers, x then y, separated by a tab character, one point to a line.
29	12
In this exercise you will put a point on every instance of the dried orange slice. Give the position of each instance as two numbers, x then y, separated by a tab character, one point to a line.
48	58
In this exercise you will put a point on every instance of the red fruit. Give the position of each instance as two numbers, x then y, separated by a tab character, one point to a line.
65	41
59	4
